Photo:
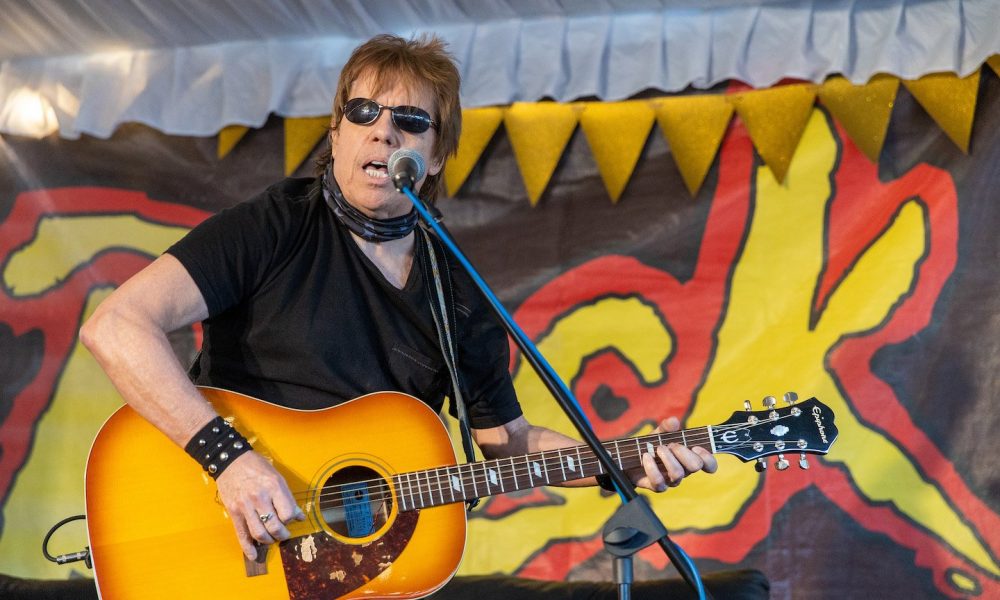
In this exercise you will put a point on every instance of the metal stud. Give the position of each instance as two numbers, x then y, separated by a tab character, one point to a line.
212	468
224	456
202	442
238	445
215	429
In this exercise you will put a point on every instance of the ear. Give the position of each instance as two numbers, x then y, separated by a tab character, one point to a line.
334	138
434	166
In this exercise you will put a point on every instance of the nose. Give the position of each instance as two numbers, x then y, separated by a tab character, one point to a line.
384	130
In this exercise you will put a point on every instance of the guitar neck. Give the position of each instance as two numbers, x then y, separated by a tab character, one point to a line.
459	483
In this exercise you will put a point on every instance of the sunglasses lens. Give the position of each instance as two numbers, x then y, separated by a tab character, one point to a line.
361	111
411	119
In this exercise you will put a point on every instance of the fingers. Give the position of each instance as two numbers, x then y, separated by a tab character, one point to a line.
708	459
258	501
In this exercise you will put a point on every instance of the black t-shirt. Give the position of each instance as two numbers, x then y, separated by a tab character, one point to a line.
300	317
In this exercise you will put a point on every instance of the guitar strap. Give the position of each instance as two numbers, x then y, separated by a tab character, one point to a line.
443	311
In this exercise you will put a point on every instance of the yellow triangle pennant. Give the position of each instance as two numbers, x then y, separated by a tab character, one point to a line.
301	136
951	101
994	62
617	133
538	133
694	127
478	127
775	119
229	136
863	110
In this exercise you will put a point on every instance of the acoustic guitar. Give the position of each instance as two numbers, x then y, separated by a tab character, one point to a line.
378	480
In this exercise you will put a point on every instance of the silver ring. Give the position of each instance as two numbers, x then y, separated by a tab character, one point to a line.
264	518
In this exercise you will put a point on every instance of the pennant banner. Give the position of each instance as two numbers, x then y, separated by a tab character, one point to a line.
617	133
478	127
539	132
776	119
863	110
229	137
693	126
949	100
301	136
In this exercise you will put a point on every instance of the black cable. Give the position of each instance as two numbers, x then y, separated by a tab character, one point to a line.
63	559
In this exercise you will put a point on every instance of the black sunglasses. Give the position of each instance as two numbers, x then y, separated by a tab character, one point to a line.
362	111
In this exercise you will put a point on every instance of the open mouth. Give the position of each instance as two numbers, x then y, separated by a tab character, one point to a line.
377	169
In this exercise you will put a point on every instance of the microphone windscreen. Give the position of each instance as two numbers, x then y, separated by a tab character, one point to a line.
407	161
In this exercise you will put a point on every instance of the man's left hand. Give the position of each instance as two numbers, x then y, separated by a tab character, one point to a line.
676	462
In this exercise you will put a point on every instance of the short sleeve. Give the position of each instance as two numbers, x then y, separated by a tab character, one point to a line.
229	254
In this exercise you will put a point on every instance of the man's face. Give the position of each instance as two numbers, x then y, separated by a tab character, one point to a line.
361	152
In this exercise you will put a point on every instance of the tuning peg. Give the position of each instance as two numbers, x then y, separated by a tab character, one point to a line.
781	463
748	406
790	397
803	463
769	402
761	465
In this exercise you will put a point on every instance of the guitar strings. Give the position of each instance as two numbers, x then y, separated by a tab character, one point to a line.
425	485
421	487
523	464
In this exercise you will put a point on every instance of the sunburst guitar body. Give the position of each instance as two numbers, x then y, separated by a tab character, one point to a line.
158	530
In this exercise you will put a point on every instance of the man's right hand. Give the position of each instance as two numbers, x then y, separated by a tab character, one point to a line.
258	501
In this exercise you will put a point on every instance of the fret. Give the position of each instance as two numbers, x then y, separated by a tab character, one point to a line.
400	494
711	437
437	477
395	487
544	468
562	465
475	488
415	478
430	490
583	469
513	472
496	475
683	438
486	479
618	455
531	480
638	449
455	481
409	486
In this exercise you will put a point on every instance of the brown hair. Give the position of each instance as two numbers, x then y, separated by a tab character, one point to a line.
424	61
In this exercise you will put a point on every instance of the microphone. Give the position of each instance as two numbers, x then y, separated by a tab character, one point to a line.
406	167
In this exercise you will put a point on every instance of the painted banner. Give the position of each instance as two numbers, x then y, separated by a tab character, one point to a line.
872	287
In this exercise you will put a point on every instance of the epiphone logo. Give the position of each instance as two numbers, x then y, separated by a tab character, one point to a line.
817	411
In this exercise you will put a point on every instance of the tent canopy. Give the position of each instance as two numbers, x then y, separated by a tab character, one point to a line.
188	67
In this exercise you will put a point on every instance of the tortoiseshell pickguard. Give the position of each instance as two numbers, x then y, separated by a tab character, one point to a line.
320	566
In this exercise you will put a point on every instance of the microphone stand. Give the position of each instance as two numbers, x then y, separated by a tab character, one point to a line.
634	524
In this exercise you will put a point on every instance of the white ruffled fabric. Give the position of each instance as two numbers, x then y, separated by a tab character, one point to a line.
192	67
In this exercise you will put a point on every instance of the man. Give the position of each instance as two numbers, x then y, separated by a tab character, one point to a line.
318	291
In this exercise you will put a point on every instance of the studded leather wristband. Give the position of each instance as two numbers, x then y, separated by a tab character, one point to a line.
216	446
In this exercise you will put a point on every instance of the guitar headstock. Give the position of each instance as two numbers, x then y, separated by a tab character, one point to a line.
801	427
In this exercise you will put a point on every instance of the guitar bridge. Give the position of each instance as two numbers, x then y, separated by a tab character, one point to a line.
259	565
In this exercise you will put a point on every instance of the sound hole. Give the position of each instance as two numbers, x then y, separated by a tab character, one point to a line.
356	502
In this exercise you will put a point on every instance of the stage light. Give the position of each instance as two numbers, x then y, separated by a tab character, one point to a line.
27	113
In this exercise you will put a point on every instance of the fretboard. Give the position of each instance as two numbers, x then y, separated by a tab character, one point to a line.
459	483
